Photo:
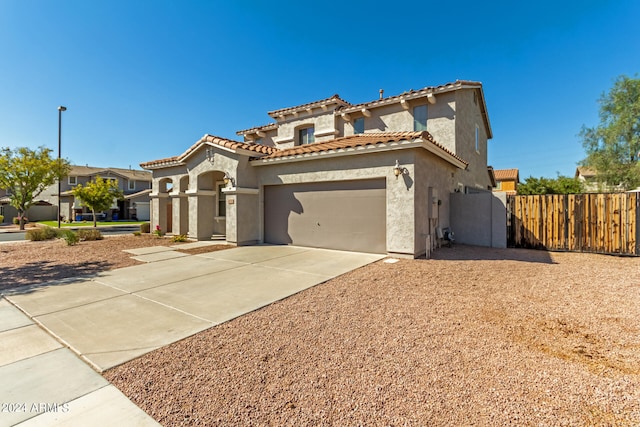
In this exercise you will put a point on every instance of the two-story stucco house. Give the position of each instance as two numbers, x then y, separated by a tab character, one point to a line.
372	177
134	184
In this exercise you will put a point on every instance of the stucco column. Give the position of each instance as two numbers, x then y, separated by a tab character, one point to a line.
159	210
180	213
201	214
243	217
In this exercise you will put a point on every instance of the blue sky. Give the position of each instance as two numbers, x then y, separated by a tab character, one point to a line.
144	80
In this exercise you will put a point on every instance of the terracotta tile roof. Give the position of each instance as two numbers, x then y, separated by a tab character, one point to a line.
234	145
208	140
335	99
506	174
167	161
270	126
360	140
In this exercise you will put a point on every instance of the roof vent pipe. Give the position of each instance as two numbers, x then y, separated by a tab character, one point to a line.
381	93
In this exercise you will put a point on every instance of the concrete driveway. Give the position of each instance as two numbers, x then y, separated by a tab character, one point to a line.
122	314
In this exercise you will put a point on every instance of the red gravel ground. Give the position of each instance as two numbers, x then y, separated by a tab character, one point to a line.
473	337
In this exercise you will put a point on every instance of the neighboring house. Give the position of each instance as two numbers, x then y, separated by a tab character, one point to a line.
135	184
589	177
371	177
507	180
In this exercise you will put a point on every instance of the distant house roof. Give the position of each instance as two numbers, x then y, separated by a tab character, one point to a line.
507	175
130	174
585	172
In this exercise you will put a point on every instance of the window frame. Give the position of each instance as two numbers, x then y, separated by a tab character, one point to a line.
75	180
357	131
221	197
310	136
130	186
477	139
416	119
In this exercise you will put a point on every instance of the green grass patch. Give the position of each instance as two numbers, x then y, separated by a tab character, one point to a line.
89	223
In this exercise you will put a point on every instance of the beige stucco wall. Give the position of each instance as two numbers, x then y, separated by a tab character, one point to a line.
323	122
437	175
405	223
468	117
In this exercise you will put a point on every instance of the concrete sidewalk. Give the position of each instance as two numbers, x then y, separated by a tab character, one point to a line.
45	384
122	314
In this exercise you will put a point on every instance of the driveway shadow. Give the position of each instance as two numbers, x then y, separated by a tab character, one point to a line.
35	273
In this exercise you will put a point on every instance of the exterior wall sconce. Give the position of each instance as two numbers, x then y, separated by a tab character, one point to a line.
210	154
227	179
399	170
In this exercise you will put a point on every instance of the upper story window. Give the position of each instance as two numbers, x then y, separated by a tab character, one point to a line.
358	125
73	180
306	136
420	118
132	185
477	139
258	141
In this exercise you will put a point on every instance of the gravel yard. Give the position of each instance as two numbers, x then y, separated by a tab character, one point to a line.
473	337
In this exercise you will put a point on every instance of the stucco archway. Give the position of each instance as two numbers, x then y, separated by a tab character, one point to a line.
207	206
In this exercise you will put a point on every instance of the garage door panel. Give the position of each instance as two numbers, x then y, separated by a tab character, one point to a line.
346	215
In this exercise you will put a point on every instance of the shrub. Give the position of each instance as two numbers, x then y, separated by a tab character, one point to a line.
137	233
35	235
90	235
70	237
1	219
50	232
179	238
41	233
16	220
145	227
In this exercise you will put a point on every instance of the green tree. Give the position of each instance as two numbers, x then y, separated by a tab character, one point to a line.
613	147
98	195
560	185
25	173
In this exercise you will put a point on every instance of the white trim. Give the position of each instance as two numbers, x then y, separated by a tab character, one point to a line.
283	139
131	181
159	195
72	183
325	132
200	192
240	190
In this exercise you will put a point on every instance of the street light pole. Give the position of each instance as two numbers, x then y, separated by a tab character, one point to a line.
60	110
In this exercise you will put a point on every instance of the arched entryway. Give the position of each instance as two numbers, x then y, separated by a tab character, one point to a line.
207	206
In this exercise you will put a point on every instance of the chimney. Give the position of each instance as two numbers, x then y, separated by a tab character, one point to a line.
381	93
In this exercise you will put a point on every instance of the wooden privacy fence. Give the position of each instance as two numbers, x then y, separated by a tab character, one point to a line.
602	223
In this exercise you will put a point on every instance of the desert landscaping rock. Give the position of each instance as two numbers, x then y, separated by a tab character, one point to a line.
473	337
